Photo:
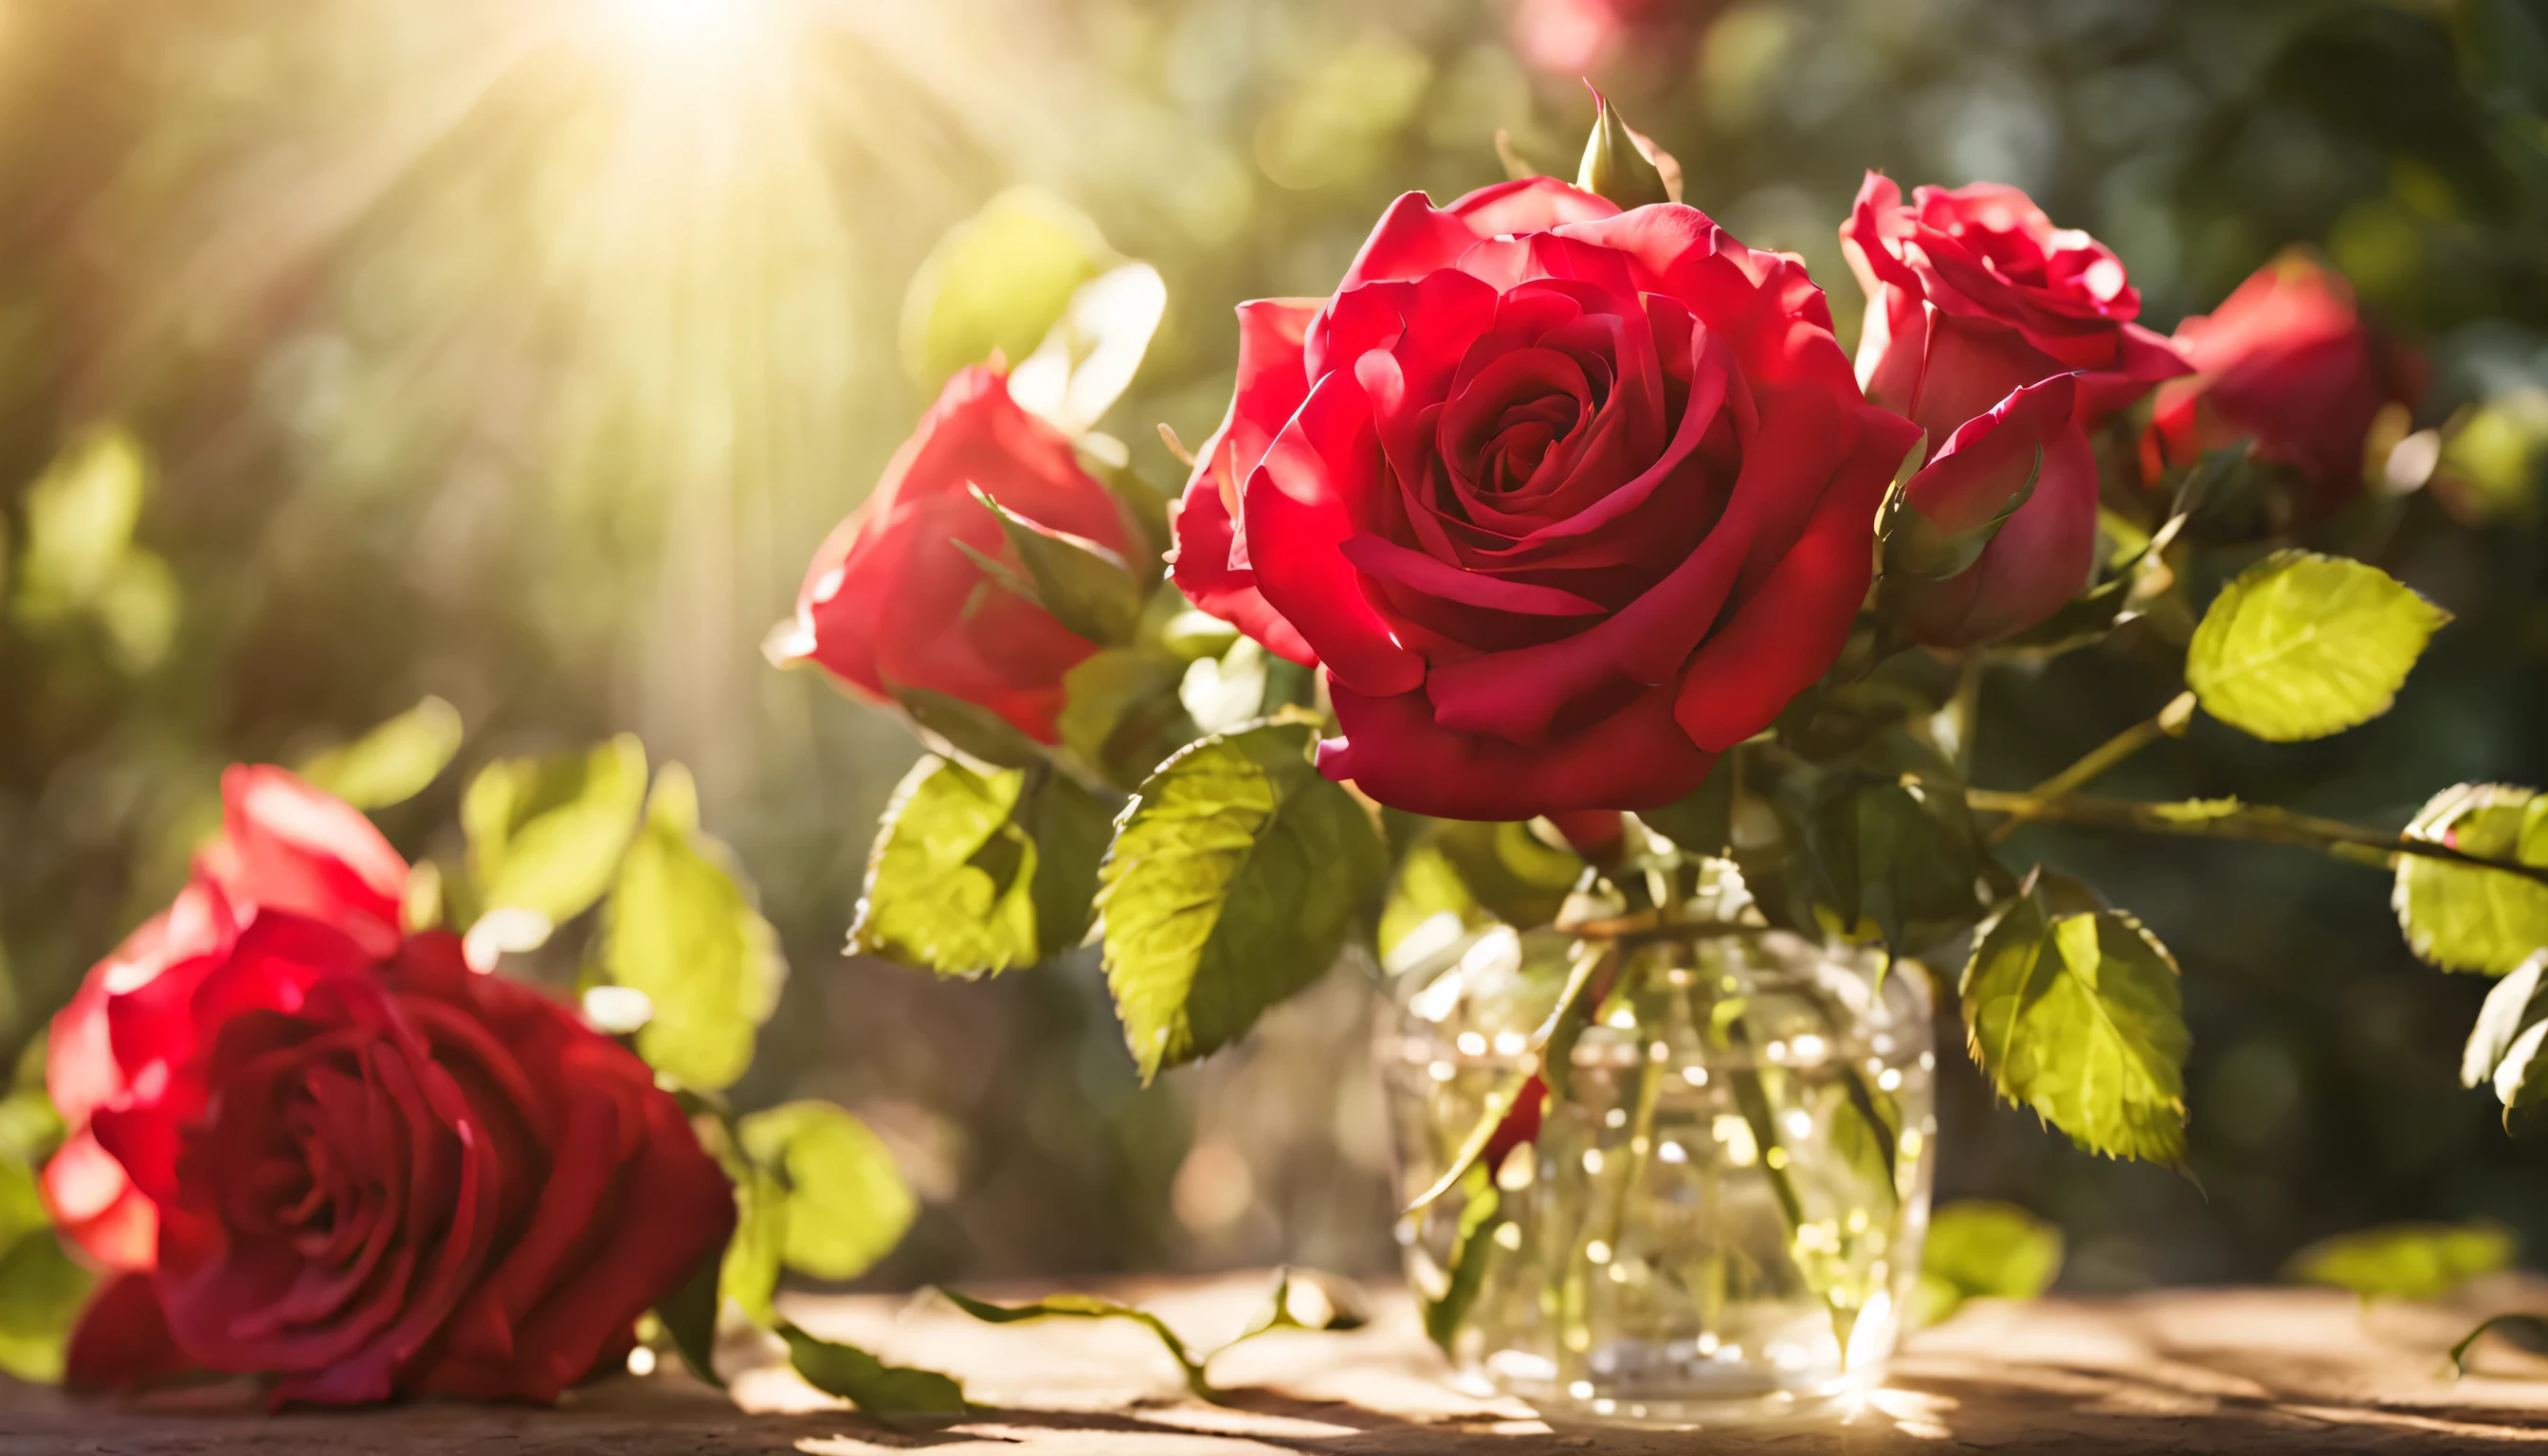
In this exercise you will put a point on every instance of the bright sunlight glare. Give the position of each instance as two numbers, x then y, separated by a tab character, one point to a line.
677	28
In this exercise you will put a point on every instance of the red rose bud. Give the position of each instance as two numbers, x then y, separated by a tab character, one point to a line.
1972	293
1965	568
372	1171
1564	499
895	601
2288	361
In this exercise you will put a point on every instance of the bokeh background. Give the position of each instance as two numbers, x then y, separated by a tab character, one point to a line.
520	351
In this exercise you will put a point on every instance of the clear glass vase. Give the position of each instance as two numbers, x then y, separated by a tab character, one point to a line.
1720	1218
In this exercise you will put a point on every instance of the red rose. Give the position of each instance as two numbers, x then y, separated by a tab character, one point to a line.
373	1171
1564	499
1972	293
893	600
2040	556
2288	361
283	846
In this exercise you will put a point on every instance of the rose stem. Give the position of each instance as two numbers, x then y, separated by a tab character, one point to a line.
1753	1099
2167	722
1641	1135
2255	823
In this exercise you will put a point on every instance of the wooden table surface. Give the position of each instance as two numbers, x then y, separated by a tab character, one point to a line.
2189	1370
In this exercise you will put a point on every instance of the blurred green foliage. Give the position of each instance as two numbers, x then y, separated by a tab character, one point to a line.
353	351
2405	1261
1978	1248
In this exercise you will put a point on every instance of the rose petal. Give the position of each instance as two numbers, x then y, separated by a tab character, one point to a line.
1412	240
285	846
1208	560
1301	505
1988	459
2040	557
1387	559
122	1340
1528	205
1394	750
1780	638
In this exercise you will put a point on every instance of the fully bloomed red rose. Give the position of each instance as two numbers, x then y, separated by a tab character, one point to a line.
283	846
893	601
1564	499
2287	360
372	1171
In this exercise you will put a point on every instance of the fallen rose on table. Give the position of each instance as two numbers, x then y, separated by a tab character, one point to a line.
305	1130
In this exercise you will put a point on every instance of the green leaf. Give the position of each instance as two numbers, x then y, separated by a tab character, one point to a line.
2519	1083
1332	1306
1233	877
845	1205
1703	822
1618	163
2404	1261
1429	907
952	726
1895	860
2301	646
887	1392
951	882
2077	1015
1472	1250
1482	873
1519	877
689	1315
80	514
545	834
2528	1331
1120	714
749	1272
681	928
393	762
1087	586
2514	1005
80	558
1978	1249
997	281
40	1289
1145	504
1070	827
1191	634
30	1128
2462	918
1090	1307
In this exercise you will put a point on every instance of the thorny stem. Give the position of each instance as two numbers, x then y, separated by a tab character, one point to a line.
2255	823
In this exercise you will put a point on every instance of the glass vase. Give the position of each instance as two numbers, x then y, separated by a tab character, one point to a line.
1720	1221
